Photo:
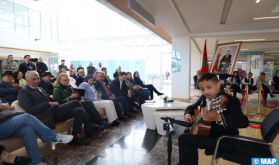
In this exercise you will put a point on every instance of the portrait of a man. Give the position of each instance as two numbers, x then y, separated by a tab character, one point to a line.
225	63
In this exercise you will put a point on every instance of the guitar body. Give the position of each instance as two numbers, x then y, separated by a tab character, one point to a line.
201	128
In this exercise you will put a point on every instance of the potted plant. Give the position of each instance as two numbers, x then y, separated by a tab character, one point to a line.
165	98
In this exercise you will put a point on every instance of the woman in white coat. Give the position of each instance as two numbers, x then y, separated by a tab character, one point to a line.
91	94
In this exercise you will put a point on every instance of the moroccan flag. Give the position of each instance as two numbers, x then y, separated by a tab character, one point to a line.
215	66
204	60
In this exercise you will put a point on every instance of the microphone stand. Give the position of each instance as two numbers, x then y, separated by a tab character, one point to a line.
169	128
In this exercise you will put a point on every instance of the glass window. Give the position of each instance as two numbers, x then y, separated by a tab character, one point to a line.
21	9
4	4
7	15
21	2
54	36
46	26
54	28
21	29
45	17
7	26
35	23
34	13
46	34
21	19
35	32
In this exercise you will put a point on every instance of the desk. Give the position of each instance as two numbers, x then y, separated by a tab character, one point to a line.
149	109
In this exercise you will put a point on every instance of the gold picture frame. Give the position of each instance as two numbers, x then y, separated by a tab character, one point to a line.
221	54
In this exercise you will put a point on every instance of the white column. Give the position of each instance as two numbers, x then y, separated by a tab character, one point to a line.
181	80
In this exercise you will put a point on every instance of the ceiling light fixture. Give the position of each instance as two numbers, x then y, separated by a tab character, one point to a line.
266	17
258	1
251	40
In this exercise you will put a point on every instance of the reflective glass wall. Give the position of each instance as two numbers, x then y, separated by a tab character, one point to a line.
91	32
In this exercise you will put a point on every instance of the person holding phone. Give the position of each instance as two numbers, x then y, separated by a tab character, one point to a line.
9	64
265	85
26	66
91	94
63	93
18	79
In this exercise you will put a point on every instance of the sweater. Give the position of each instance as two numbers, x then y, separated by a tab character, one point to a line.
12	66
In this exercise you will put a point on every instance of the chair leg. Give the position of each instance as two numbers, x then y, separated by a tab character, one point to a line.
48	147
216	162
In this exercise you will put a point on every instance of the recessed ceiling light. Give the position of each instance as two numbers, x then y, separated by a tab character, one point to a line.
274	54
244	49
258	1
251	40
266	17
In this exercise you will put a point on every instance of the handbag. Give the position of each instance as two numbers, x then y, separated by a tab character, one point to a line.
7	114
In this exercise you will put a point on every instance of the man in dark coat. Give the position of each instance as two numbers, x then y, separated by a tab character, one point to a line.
26	66
45	83
41	67
8	89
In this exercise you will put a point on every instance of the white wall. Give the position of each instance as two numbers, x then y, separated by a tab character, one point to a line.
181	80
195	60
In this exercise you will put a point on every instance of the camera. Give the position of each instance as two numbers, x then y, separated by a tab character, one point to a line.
33	59
80	91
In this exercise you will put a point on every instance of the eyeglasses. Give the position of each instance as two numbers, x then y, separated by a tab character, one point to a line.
10	77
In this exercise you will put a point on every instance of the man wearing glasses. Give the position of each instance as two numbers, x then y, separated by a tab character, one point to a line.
8	89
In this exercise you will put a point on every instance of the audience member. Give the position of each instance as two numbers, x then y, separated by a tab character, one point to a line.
107	79
196	77
74	74
53	79
8	158
29	128
91	69
8	89
99	67
167	75
41	67
251	81
80	67
26	66
95	75
63	65
120	89
64	70
275	81
18	75
265	85
108	95
150	87
9	64
137	91
45	83
35	101
71	69
117	72
235	83
80	78
91	94
64	93
129	77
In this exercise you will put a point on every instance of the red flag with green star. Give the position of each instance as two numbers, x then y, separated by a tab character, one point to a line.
204	60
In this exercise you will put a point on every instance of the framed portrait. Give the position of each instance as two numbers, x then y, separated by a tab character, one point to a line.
225	58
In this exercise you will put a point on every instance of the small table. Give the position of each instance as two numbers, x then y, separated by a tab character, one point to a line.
149	109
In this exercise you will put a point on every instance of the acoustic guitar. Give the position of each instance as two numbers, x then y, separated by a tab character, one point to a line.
202	128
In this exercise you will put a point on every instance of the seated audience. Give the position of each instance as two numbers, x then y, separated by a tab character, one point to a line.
275	81
235	83
117	72
107	79
196	77
53	79
9	64
63	65
35	101
251	81
265	85
8	89
137	91
223	123
74	74
9	159
80	67
150	87
64	93
121	89
45	83
71	69
29	128
91	69
18	75
91	94
108	95
129	77
41	67
80	78
95	75
26	66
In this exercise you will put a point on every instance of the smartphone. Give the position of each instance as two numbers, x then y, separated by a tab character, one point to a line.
99	90
17	81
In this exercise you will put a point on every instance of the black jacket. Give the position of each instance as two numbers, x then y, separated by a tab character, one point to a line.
115	75
115	88
91	70
196	82
237	80
227	60
47	87
79	80
41	66
233	118
80	68
23	68
138	81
